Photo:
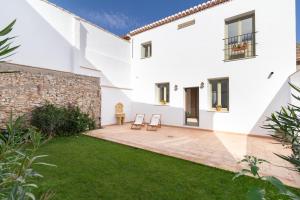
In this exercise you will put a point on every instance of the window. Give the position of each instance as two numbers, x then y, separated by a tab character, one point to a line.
147	50
219	94
163	93
240	37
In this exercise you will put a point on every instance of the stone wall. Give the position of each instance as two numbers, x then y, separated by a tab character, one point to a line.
23	88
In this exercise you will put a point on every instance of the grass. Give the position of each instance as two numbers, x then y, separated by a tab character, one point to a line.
90	169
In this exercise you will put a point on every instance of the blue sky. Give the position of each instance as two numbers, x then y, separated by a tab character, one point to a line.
121	16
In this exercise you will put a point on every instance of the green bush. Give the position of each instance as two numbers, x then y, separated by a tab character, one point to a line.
61	121
18	149
48	118
75	122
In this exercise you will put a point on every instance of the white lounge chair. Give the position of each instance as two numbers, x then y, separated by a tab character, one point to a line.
155	122
138	121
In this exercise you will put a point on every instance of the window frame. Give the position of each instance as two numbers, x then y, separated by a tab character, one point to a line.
144	46
166	101
240	18
219	97
240	34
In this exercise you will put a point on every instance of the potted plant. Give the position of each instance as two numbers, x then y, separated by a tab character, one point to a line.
240	47
219	108
188	114
163	102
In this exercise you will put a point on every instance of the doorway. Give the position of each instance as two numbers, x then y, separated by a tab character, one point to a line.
192	106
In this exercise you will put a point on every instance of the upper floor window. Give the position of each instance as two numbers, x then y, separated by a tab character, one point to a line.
146	50
163	93
240	37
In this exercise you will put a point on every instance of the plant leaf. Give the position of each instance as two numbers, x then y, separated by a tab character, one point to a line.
30	195
241	173
256	194
7	29
7	51
276	183
45	164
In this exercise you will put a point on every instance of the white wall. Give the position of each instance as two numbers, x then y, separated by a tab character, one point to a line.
102	51
44	33
110	97
195	54
55	39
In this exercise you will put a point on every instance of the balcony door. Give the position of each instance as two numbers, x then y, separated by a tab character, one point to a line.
192	106
240	37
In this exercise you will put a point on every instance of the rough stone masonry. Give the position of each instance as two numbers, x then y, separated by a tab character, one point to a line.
23	88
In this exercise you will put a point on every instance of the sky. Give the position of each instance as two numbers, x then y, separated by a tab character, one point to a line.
122	16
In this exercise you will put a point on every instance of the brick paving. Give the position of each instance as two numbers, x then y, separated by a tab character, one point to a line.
216	149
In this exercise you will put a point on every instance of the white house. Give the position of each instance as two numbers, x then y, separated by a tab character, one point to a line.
223	65
227	54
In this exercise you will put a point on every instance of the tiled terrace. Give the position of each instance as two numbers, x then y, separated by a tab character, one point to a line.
221	150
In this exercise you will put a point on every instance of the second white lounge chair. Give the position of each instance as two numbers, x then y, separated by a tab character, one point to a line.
155	122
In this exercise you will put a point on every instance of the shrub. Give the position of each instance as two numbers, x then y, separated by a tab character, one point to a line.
48	118
285	127
17	157
60	121
75	122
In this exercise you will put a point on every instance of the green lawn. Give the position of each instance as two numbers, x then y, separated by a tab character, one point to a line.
90	169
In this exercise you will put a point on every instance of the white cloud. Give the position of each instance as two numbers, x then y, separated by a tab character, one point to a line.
113	20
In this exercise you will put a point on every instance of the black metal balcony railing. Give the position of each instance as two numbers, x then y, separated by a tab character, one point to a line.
241	46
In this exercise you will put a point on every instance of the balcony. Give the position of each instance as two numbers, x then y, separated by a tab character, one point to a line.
239	47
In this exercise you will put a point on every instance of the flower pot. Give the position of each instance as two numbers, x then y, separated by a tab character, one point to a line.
219	108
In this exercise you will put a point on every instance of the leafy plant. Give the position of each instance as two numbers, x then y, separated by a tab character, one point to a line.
260	193
75	122
48	119
6	48
18	147
17	157
59	121
285	125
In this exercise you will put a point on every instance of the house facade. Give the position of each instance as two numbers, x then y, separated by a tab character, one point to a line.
222	65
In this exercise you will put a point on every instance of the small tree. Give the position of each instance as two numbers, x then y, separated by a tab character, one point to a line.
257	193
285	127
18	147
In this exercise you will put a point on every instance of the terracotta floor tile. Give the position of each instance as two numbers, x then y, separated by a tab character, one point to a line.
222	150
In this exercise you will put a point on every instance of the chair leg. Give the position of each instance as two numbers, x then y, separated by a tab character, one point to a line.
133	126
136	126
151	128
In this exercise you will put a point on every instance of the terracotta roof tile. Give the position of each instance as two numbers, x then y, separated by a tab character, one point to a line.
179	15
